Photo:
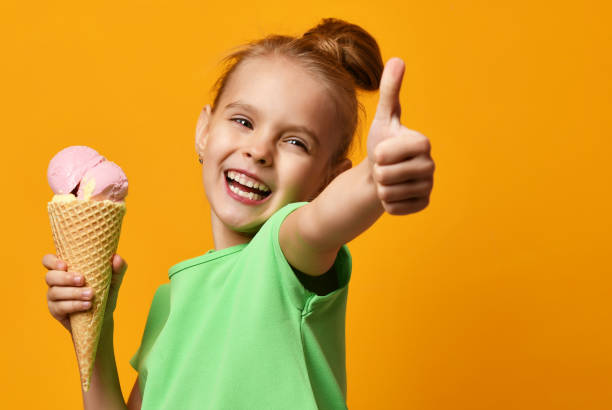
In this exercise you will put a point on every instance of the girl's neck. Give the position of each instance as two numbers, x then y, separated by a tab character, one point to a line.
223	237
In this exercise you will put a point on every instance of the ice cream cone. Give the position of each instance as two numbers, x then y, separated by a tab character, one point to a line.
86	235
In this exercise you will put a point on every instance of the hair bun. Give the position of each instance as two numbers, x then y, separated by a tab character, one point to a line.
352	48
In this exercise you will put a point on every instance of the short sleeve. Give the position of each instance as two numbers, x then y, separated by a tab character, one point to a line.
160	308
302	298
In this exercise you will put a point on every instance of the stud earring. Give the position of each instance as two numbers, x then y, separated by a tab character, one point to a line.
200	160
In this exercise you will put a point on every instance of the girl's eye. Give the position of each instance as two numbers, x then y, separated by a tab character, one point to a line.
298	142
243	122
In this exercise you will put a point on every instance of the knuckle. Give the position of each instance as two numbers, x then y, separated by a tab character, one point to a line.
51	294
379	154
50	261
421	142
60	310
77	293
432	167
383	193
379	174
423	185
55	309
390	208
401	210
70	279
379	192
427	168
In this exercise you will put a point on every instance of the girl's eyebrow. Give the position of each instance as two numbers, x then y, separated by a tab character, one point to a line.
244	106
251	108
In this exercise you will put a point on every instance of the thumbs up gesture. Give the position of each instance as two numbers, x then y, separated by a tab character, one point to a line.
400	158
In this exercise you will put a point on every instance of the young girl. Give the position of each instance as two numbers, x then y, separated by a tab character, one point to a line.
258	322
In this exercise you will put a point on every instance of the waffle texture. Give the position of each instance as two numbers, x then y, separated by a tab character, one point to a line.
86	235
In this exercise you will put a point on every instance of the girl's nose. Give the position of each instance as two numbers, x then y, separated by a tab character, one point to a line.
259	152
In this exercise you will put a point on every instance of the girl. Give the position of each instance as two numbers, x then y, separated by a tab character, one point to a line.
258	322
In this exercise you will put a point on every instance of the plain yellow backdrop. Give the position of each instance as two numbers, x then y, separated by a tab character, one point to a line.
496	296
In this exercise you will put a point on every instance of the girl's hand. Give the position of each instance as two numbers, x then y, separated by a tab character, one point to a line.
402	167
67	293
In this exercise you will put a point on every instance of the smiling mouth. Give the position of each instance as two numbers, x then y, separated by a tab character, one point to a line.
246	187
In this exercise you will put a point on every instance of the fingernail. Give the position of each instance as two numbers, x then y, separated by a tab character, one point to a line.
78	279
86	293
86	305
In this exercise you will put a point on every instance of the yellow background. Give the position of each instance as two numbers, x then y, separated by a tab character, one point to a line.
496	296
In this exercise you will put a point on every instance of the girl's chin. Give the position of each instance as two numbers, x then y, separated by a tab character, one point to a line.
246	219
241	225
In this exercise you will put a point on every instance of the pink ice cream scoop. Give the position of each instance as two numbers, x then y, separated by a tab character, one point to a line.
104	181
82	171
69	165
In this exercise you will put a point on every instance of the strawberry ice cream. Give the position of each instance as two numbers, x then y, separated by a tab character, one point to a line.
69	165
80	171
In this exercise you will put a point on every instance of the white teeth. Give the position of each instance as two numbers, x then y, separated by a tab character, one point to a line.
261	187
250	195
246	181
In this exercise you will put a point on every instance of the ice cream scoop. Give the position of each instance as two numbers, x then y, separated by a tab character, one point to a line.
81	171
69	165
104	181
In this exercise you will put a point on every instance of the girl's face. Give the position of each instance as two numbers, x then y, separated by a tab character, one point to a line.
267	144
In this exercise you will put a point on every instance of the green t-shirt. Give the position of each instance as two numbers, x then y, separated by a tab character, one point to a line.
236	329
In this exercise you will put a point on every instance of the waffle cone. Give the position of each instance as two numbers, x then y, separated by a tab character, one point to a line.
86	235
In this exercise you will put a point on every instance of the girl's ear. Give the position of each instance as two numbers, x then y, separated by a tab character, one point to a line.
201	134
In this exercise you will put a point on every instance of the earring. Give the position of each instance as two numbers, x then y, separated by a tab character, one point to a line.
200	160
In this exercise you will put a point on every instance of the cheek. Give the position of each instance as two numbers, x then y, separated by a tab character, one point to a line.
207	181
214	148
212	162
303	179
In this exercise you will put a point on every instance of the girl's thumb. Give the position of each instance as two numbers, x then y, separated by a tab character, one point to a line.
119	265
388	103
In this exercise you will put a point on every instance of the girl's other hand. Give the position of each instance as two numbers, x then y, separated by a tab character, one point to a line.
68	294
400	158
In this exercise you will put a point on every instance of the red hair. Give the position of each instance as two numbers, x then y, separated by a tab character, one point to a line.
340	54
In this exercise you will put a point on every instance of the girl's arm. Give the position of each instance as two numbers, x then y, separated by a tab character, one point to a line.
311	236
104	389
397	177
